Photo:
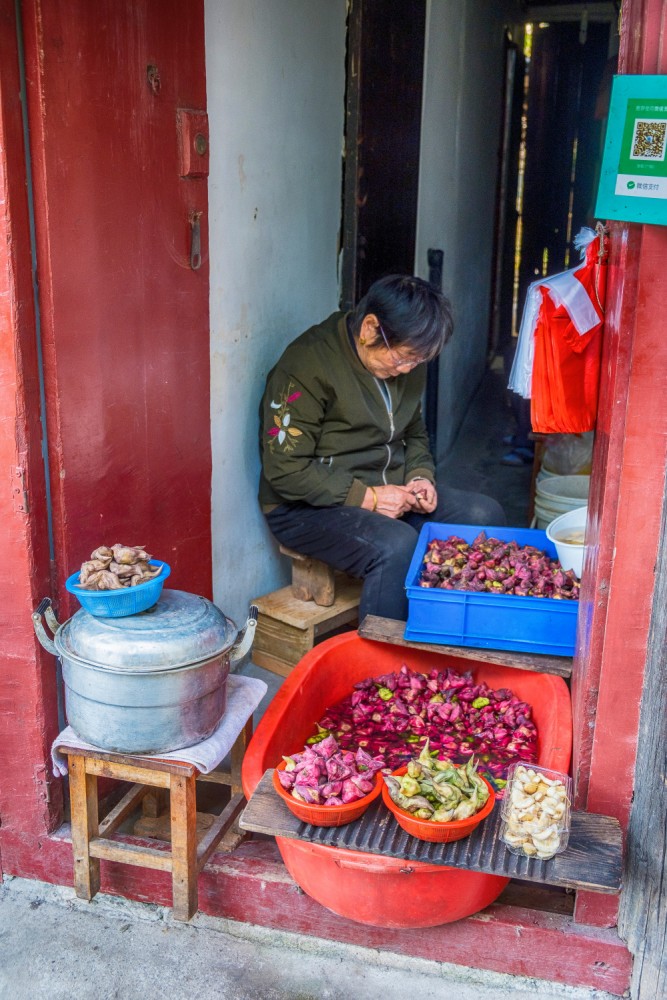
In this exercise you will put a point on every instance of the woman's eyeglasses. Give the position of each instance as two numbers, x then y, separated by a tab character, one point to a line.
396	359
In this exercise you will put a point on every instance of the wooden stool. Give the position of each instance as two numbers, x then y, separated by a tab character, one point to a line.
288	628
92	838
312	580
291	620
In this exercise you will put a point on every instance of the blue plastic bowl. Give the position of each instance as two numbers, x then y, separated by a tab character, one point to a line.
119	603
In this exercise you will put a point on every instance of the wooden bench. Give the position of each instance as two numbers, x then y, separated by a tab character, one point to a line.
391	630
93	837
291	620
592	859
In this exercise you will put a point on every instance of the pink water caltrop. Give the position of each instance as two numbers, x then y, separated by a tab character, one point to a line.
390	714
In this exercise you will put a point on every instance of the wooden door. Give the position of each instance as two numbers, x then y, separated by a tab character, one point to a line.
102	178
119	148
642	921
562	145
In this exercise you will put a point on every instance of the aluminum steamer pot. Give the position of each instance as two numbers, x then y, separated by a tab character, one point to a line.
151	682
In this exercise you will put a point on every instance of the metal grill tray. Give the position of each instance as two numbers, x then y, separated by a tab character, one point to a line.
592	860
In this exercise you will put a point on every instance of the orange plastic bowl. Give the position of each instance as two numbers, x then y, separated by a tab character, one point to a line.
438	833
326	815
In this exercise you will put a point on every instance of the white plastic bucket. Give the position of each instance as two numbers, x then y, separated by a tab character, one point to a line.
569	526
557	495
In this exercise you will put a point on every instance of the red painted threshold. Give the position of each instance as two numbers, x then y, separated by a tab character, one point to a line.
252	885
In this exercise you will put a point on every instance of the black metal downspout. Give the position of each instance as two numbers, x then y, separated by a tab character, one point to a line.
435	260
38	326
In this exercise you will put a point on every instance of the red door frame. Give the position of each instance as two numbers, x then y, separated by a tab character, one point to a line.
30	800
628	476
627	490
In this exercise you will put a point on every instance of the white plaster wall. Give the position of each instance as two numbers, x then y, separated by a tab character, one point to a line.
457	189
275	82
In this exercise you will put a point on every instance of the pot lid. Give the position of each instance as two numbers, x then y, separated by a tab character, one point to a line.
180	629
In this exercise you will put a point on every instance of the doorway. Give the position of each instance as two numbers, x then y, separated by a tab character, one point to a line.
563	103
551	136
385	63
557	77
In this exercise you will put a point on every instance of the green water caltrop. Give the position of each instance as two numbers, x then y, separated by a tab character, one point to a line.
438	790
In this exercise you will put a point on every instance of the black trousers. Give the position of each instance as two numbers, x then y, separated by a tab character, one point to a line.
373	547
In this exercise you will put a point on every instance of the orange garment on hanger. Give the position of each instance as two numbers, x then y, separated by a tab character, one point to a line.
566	367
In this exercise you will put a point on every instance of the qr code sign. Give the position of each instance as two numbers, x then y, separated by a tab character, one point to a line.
649	140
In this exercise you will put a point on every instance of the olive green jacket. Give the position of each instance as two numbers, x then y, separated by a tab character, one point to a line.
327	431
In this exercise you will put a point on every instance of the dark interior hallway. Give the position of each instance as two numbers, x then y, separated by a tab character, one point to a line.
475	460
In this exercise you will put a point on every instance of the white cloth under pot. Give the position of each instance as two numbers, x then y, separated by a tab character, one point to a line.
243	696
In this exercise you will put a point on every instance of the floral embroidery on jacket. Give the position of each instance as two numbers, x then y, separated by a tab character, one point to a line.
282	433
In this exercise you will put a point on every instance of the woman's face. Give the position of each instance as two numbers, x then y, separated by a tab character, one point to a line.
378	357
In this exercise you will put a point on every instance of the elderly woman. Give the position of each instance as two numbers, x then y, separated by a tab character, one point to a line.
347	476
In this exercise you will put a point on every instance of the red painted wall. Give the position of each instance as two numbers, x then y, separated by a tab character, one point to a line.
627	490
30	803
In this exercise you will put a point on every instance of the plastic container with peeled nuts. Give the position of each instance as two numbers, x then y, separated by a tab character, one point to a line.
123	602
536	811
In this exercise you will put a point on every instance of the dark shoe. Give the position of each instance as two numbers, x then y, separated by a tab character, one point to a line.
517	457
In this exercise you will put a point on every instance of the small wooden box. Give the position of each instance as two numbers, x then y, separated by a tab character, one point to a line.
287	628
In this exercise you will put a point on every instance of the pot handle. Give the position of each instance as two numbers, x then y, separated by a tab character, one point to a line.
44	608
245	637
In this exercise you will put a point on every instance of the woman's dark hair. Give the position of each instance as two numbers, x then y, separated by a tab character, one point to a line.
412	314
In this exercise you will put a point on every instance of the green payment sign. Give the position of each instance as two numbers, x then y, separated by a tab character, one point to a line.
642	168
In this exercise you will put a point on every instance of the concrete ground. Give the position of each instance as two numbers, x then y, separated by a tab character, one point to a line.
54	946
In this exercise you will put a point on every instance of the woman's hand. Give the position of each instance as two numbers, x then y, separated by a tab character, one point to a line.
392	501
426	495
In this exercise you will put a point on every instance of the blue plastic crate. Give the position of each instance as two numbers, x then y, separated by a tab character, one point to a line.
488	621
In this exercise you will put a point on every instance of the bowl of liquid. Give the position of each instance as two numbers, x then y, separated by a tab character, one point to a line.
567	533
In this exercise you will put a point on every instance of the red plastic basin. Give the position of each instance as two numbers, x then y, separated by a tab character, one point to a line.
369	888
